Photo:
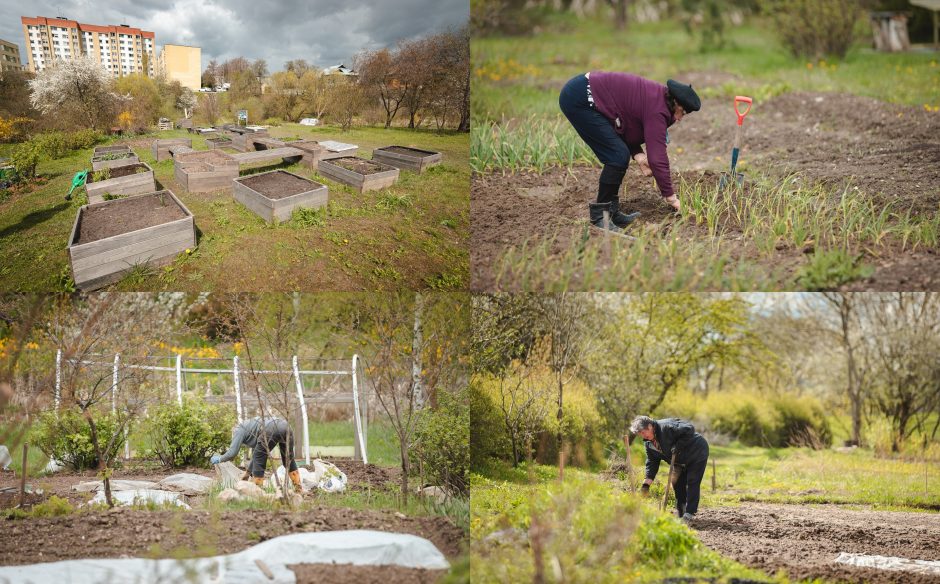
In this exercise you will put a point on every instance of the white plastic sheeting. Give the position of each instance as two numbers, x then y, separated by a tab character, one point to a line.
142	497
325	476
5	458
360	547
187	483
116	485
890	563
334	146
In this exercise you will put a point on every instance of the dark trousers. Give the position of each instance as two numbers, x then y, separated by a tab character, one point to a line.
596	130
276	433
689	486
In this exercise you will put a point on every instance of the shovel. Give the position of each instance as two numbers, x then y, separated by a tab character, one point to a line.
669	480
77	181
736	177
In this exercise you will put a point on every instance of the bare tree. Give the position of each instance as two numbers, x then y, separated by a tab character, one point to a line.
381	72
844	326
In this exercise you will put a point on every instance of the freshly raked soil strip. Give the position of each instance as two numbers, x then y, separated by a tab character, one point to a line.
126	215
360	165
277	185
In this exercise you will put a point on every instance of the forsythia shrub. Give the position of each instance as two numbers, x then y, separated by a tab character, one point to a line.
443	442
189	434
67	438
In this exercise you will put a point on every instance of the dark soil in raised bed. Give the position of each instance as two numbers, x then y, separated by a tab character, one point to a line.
408	151
278	184
120	171
213	157
317	573
126	215
356	164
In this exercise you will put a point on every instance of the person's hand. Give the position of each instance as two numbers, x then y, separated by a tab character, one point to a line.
644	164
645	490
216	459
673	201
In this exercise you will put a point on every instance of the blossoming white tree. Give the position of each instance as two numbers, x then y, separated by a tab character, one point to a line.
78	90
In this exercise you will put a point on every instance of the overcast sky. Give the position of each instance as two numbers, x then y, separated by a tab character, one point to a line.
324	32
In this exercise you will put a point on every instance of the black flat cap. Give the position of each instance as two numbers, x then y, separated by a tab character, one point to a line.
685	95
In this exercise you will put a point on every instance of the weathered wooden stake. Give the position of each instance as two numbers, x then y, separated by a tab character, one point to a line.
23	476
714	483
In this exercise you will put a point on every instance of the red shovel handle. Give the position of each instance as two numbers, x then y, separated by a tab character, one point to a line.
741	99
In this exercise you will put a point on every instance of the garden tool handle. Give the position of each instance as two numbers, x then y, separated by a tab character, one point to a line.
742	99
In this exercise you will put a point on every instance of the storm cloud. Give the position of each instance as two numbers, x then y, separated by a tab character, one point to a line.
323	32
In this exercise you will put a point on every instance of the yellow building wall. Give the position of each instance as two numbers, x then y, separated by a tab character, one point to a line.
183	64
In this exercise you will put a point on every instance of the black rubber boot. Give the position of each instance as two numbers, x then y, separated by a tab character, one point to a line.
597	216
608	191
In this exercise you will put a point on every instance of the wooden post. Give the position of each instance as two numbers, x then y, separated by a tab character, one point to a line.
58	379
714	483
668	482
626	442
23	475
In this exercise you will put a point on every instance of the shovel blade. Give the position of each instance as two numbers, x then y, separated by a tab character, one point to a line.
726	180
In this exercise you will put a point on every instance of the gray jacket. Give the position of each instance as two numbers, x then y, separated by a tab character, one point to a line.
248	432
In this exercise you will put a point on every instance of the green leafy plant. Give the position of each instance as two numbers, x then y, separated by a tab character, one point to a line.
52	507
189	434
830	268
25	158
306	217
443	442
812	29
67	437
110	197
100	175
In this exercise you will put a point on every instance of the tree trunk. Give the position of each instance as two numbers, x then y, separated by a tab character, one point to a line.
561	437
102	463
405	469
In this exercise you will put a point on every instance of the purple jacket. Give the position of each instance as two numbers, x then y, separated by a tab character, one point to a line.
640	105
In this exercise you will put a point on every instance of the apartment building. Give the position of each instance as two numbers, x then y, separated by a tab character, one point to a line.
183	64
121	49
9	57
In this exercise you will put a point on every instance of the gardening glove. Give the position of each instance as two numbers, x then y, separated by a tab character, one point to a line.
645	490
644	164
673	201
216	459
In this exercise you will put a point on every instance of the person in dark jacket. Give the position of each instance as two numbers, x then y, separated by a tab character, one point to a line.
662	439
615	114
262	435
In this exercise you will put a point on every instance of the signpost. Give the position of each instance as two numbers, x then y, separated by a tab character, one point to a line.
242	115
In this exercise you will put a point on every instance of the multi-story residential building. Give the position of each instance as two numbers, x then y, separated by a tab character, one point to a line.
121	49
9	57
183	64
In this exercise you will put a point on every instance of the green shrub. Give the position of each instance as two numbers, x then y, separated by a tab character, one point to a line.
67	438
53	145
443	442
273	122
488	437
83	139
189	434
743	419
801	421
25	158
52	507
812	29
306	217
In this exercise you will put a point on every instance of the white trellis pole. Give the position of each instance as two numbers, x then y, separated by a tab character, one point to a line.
114	383
179	378
303	411
355	384
58	379
238	390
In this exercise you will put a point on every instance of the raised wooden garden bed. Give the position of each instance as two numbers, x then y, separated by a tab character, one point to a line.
111	237
334	149
101	150
205	171
131	179
218	142
273	155
313	152
359	173
113	160
265	142
161	148
406	158
274	195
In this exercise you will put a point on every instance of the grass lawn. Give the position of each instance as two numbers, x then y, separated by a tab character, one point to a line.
413	234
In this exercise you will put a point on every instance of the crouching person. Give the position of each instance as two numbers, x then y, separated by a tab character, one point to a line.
663	439
261	435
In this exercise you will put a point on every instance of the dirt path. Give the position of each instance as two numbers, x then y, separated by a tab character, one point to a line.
805	540
831	138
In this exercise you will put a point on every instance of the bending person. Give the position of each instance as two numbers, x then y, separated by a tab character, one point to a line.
615	114
662	439
261	435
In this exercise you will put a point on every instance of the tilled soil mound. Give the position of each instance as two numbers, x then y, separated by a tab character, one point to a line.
805	540
134	533
835	139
